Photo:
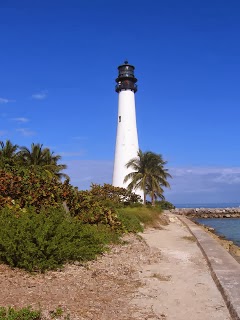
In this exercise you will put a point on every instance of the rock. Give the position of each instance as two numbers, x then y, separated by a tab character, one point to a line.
210	229
209	212
235	250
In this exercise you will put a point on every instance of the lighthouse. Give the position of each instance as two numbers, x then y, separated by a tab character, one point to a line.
127	137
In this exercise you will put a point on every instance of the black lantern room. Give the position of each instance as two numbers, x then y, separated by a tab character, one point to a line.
126	79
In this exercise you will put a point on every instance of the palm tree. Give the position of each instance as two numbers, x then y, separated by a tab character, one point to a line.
51	164
42	158
157	179
34	156
8	151
148	174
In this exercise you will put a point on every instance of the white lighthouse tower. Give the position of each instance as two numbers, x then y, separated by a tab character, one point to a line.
127	138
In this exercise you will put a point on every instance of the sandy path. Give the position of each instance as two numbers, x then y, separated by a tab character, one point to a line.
180	287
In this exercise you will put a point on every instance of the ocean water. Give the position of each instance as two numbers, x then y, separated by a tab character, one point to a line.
229	228
208	205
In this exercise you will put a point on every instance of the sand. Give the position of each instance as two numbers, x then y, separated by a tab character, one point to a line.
180	287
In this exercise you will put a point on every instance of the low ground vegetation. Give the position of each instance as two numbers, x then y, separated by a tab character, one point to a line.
44	241
46	223
28	313
22	314
147	215
50	238
165	205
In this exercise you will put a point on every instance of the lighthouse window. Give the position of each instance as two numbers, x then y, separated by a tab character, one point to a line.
119	118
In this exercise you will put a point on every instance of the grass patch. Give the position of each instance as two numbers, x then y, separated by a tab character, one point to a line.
130	222
27	313
22	314
161	277
145	215
189	238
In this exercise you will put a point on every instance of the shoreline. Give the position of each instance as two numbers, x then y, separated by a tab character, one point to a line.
229	245
205	213
213	213
182	269
224	268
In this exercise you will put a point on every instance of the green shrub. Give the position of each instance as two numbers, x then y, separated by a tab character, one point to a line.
116	196
22	314
165	205
130	223
38	242
99	204
147	215
23	187
89	209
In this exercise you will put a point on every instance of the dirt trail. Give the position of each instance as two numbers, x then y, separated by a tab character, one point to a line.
180	287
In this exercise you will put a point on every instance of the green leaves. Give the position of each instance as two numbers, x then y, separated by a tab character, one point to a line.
42	158
149	174
36	158
165	205
27	188
22	314
28	313
39	242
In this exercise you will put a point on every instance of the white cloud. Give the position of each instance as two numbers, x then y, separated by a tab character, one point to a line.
84	172
25	132
232	178
189	184
4	100
21	119
40	95
204	185
204	170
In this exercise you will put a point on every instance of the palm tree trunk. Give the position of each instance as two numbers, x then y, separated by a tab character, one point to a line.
153	198
144	197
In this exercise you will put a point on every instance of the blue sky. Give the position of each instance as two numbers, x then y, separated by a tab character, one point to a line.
59	61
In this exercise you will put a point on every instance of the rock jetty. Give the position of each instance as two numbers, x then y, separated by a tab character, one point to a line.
208	212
